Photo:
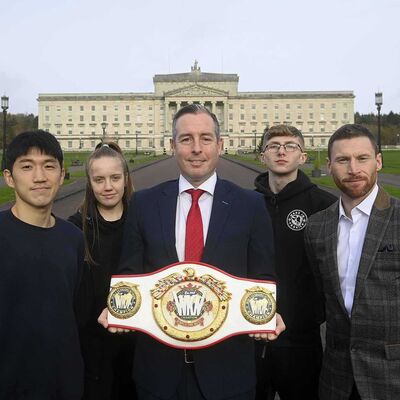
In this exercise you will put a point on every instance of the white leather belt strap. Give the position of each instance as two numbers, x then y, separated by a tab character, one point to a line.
191	305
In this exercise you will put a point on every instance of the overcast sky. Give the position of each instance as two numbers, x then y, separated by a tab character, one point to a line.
53	46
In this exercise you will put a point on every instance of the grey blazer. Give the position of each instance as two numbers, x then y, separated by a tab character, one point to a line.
365	348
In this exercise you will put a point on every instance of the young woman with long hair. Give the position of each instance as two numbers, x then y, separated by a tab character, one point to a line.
107	357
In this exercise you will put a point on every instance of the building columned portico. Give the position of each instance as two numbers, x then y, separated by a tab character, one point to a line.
143	121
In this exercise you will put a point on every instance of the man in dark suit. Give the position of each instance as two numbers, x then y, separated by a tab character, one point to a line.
354	246
237	239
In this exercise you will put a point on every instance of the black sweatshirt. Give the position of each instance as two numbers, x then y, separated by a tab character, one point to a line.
297	298
39	346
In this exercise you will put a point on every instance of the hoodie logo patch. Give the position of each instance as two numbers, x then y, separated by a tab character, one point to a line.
296	220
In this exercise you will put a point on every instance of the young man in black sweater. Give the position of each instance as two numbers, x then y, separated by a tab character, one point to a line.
41	260
290	366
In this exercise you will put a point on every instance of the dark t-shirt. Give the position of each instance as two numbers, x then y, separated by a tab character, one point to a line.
39	346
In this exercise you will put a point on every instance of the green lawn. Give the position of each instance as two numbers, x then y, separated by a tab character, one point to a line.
391	166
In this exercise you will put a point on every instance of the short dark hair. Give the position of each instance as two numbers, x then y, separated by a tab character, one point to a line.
281	130
195	109
350	131
44	141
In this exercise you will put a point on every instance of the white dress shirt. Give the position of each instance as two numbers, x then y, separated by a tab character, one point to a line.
351	235
183	206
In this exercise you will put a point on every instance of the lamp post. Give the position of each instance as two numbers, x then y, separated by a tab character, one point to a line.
103	126
4	106
378	103
136	134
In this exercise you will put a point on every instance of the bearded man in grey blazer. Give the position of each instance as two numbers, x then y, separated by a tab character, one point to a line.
354	248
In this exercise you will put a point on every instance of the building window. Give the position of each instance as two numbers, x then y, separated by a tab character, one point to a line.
345	116
242	142
230	116
46	118
276	116
265	116
323	141
299	116
322	105
276	106
115	107
81	118
287	116
104	108
230	142
104	118
81	132
253	117
47	108
69	132
92	143
333	115
127	118
265	106
242	106
322	129
127	131
311	116
93	108
242	131
253	106
299	106
93	133
116	133
333	105
58	132
81	108
311	129
93	118
322	116
139	142
150	108
69	108
231	106
127	107
311	105
70	144
242	117
115	118
127	143
287	106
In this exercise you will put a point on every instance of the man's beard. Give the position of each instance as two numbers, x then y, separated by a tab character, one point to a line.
359	191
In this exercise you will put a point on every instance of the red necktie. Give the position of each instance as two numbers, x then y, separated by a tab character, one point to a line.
194	243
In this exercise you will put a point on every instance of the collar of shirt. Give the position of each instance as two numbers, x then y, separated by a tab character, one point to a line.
208	186
365	206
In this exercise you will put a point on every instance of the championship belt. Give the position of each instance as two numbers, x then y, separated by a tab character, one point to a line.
191	305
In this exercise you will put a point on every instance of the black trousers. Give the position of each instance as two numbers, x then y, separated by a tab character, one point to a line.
188	389
108	363
292	372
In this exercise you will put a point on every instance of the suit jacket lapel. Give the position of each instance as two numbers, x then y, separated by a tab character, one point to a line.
377	225
167	209
221	209
331	229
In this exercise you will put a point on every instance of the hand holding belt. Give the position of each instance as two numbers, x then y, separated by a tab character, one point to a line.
191	305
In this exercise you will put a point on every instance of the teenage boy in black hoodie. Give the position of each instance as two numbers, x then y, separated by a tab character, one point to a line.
290	366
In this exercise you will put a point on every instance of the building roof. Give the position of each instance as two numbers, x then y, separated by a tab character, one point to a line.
195	75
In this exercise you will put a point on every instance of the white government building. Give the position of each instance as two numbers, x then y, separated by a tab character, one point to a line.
142	121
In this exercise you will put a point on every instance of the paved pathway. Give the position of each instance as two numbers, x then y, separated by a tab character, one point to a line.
71	196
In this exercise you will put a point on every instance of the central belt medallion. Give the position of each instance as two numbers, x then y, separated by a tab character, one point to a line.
189	307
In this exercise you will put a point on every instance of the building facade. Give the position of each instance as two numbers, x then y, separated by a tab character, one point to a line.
143	121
